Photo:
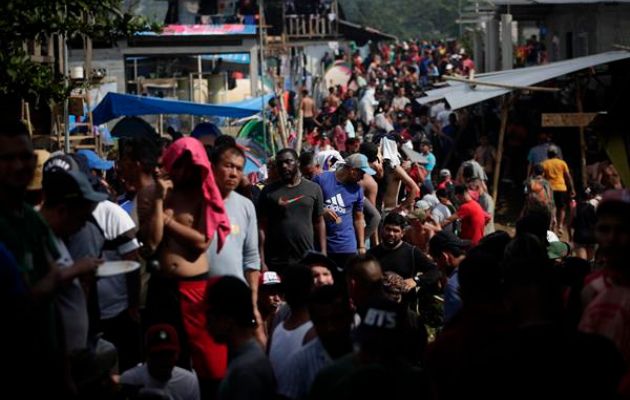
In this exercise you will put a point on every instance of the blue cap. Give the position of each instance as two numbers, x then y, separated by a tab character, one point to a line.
94	161
359	161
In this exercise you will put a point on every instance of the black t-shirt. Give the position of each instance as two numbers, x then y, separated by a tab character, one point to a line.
407	261
289	212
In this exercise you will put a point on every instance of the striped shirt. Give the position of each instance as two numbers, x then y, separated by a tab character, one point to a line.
302	369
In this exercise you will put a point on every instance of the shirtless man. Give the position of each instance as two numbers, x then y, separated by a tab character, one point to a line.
184	213
309	112
372	216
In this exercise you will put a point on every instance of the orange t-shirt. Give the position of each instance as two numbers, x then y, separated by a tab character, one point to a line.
555	169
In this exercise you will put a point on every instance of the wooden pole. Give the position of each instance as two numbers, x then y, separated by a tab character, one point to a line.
505	108
578	100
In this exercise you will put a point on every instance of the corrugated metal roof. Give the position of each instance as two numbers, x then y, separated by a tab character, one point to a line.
460	95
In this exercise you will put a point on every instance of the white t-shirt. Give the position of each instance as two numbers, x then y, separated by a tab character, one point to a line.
284	344
71	304
349	128
114	223
183	384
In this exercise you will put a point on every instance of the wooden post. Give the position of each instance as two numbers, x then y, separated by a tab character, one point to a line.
578	94
300	127
505	108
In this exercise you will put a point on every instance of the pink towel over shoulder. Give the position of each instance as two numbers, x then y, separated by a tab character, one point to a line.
216	217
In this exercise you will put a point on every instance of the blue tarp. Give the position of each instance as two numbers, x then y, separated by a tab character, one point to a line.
116	105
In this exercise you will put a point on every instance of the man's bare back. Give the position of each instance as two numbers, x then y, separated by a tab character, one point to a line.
308	107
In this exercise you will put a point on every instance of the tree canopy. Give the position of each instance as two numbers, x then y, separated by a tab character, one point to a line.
405	18
27	20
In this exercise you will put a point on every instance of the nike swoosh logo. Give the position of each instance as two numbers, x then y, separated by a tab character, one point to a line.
283	201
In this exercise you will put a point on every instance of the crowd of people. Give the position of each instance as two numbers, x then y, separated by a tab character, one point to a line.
366	265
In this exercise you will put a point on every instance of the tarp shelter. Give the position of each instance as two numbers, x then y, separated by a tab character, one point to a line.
460	95
116	105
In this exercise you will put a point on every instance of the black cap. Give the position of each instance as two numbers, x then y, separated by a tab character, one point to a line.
317	258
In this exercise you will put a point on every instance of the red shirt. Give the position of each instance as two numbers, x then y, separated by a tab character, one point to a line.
473	221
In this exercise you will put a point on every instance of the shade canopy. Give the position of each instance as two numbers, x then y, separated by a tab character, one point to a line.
460	95
116	105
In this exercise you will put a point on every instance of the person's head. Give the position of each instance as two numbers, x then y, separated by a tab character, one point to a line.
229	309
447	250
187	164
352	145
479	278
483	140
393	229
442	195
270	293
298	284
363	277
536	222
137	157
331	90
227	164
462	194
321	267
69	200
356	165
543	137
95	162
331	314
553	151
287	164
425	146
452	119
304	92
308	166
17	159
400	91
445	175
612	229
162	346
538	170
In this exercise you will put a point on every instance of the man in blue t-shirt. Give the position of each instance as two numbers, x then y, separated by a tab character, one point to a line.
343	208
425	148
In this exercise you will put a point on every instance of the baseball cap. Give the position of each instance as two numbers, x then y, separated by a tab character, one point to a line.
60	161
270	278
558	250
423	205
94	161
317	258
445	241
444	173
60	185
359	161
36	182
162	337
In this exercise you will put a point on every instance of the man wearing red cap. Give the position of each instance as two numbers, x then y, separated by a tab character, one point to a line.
159	375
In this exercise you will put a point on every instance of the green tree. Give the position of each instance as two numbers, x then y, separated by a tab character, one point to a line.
27	20
426	19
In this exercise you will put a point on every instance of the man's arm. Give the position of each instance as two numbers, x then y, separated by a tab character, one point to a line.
569	180
151	216
359	227
413	191
450	219
320	231
319	226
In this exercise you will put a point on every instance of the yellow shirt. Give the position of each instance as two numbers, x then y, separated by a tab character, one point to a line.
555	169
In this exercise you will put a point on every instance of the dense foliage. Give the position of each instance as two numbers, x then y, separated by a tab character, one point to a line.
406	18
24	20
